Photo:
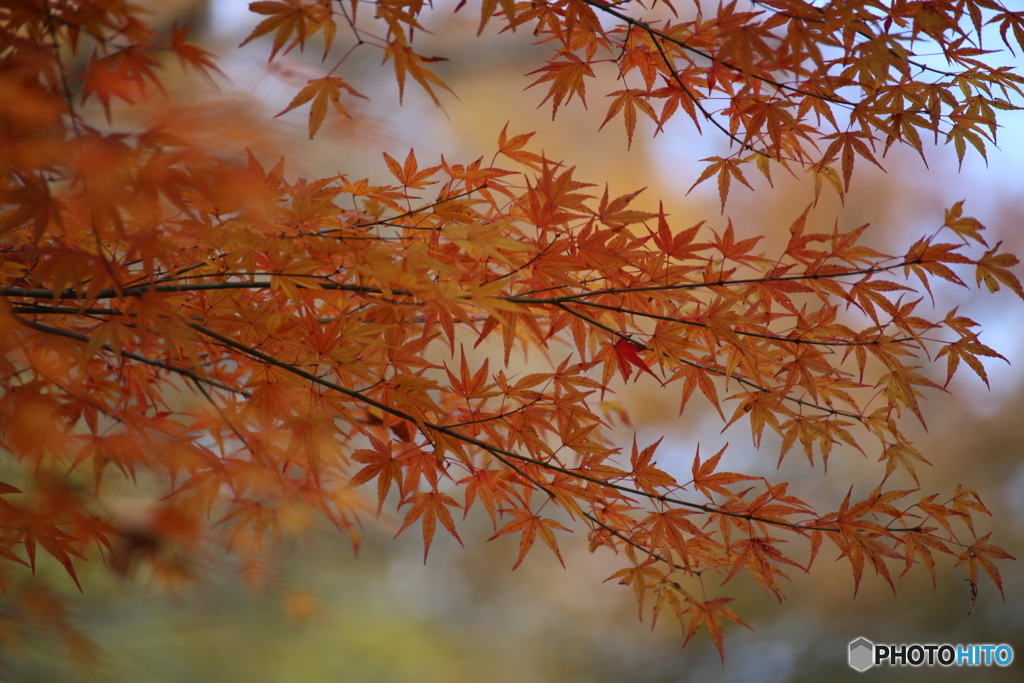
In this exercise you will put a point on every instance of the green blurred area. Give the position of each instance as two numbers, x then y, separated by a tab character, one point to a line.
384	616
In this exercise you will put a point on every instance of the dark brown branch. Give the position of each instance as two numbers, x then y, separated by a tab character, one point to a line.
490	448
164	365
758	335
722	373
650	30
526	299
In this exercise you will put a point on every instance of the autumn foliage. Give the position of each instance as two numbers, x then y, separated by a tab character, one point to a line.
256	350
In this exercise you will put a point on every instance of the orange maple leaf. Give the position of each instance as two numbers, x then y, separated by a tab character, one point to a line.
531	524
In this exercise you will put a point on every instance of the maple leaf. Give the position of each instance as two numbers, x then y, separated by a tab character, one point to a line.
513	149
706	480
965	500
847	144
980	554
487	9
860	539
669	529
678	245
322	91
431	506
994	268
191	54
567	79
627	356
407	61
920	544
904	455
492	490
288	17
530	524
629	101
726	169
711	613
123	74
615	214
646	475
967	128
964	226
410	174
382	465
640	577
967	351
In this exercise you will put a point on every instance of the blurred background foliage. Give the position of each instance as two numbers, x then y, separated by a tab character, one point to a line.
317	611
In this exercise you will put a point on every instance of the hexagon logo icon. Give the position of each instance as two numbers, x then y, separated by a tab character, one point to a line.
862	654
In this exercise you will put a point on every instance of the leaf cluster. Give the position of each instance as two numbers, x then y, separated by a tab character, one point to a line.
340	337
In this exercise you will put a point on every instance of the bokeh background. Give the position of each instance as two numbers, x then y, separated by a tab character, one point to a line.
315	611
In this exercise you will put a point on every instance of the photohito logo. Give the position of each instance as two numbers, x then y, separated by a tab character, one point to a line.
864	654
